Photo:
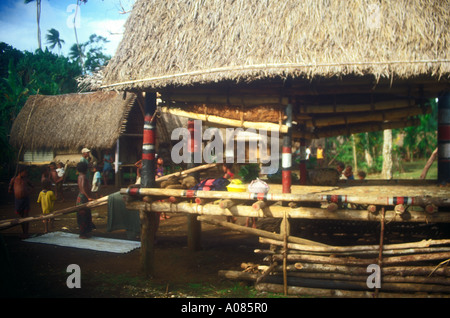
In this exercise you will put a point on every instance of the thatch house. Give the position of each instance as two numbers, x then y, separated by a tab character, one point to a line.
344	66
56	128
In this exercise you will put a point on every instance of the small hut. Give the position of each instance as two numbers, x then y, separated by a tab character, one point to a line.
56	128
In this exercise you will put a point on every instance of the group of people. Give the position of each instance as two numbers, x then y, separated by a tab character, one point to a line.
53	174
346	172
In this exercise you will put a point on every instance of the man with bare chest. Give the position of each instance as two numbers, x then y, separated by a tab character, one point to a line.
21	187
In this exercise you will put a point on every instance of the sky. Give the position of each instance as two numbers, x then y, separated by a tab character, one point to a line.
18	26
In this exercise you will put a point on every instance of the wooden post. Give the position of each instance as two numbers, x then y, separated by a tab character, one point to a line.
286	156
149	222
303	172
117	174
195	149
444	138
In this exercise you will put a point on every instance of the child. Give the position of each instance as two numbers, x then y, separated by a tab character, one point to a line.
227	171
159	168
138	166
21	187
159	174
361	175
96	181
60	171
348	173
46	199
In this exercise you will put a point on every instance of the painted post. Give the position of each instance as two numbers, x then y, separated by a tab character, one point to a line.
286	155
303	172
149	219
444	138
194	226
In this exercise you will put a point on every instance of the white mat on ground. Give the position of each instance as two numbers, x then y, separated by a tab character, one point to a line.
92	243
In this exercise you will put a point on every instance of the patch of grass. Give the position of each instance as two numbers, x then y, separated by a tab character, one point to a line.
411	170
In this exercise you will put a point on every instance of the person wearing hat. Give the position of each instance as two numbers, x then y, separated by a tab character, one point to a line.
86	158
85	155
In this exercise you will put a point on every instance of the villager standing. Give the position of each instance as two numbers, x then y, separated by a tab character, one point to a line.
54	178
86	158
107	166
21	187
320	156
84	216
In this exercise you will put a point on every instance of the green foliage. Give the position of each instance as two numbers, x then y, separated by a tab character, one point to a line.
23	74
417	142
90	53
249	172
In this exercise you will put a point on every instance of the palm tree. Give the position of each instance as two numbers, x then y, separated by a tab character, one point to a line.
38	19
54	40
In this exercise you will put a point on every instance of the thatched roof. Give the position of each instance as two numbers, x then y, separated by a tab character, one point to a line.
72	121
179	43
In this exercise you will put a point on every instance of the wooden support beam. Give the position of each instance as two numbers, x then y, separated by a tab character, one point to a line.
216	120
346	108
293	197
377	116
258	232
278	212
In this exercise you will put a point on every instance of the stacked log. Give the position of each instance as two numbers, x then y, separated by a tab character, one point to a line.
417	269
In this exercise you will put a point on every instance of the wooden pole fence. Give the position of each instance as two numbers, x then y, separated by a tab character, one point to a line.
291	197
276	211
17	221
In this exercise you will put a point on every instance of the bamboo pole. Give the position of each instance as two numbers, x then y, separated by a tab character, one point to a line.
337	284
278	212
225	121
354	273
258	232
217	99
332	293
374	249
362	278
187	172
362	262
292	197
360	270
345	108
338	130
378	116
17	221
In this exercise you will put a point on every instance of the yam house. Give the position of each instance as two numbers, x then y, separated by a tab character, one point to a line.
56	128
308	69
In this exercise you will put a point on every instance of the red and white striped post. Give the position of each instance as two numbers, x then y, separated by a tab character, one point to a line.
149	142
195	156
286	153
149	219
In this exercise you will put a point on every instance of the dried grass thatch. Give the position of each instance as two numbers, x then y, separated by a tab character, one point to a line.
71	121
173	43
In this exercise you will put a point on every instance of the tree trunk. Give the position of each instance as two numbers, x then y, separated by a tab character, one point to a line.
386	173
430	161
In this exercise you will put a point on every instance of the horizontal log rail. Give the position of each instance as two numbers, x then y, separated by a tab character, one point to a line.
275	211
291	197
91	204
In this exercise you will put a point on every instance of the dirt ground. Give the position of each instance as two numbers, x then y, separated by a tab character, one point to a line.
40	270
